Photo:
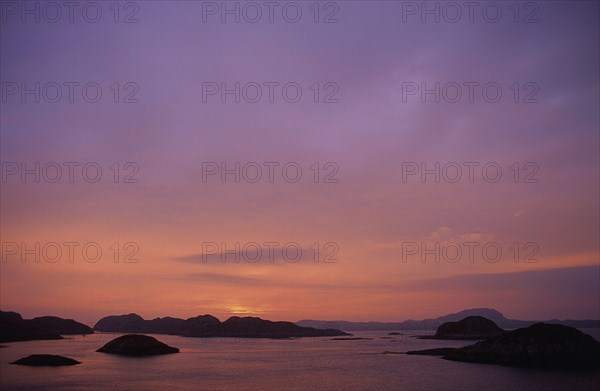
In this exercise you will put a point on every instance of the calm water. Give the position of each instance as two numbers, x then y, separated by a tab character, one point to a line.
302	364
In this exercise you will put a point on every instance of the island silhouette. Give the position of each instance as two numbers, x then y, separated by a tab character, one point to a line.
45	360
540	344
433	323
469	328
207	326
137	345
14	328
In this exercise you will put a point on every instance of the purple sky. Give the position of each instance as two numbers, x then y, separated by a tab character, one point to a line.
370	213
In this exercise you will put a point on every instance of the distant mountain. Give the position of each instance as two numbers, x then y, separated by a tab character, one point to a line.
208	326
488	313
14	328
434	323
131	323
469	328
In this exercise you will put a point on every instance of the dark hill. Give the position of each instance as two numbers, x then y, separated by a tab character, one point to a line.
164	325
250	327
208	326
137	345
39	360
541	345
201	326
14	328
61	326
434	323
471	327
131	323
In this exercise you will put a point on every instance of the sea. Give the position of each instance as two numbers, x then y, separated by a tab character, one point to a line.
371	363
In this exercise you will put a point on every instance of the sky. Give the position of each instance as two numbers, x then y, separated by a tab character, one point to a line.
371	163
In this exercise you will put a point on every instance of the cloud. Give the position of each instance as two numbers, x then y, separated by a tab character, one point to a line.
227	279
582	281
263	253
518	214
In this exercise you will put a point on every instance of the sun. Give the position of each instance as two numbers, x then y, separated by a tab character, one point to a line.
242	310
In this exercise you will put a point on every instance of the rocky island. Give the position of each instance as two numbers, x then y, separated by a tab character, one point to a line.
469	328
539	345
50	360
14	328
207	326
433	323
137	345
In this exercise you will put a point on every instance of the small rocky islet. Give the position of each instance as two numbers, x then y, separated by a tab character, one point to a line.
137	345
46	360
125	345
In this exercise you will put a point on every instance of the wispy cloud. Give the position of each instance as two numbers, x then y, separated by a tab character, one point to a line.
581	280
